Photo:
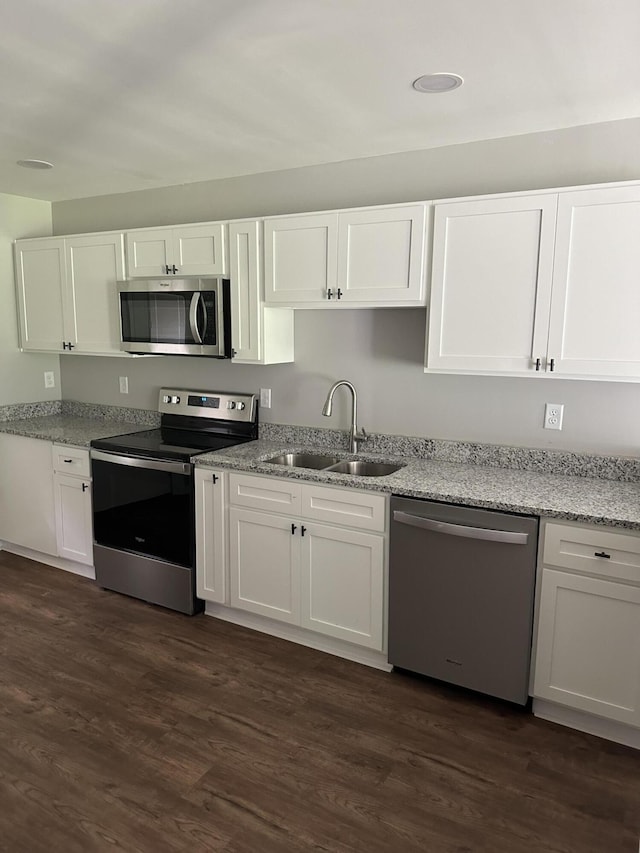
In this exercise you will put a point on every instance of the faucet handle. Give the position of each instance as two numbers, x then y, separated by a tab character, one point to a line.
361	435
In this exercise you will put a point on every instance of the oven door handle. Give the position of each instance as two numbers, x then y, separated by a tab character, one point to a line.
193	317
137	462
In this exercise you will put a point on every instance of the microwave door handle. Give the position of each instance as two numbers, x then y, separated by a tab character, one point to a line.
193	318
205	318
220	320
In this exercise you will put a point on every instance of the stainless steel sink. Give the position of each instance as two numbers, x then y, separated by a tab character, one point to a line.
365	469
304	460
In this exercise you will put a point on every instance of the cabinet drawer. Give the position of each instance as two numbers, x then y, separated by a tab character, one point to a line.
598	552
71	460
349	507
266	493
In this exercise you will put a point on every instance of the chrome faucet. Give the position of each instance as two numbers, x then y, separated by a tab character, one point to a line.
354	437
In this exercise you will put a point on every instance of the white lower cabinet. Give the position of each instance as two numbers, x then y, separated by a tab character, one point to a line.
304	554
72	499
27	516
45	498
72	503
588	637
342	584
264	564
211	535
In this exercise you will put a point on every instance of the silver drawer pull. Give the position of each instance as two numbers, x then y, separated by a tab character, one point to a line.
460	530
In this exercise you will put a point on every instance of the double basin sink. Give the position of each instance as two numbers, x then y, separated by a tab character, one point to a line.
319	462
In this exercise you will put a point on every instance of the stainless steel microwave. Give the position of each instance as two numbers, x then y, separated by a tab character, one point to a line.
182	316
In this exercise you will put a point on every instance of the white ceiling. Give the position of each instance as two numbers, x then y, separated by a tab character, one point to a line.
129	94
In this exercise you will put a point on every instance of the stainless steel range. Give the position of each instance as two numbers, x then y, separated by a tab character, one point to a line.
143	494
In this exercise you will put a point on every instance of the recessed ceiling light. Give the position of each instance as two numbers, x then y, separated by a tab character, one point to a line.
439	82
35	164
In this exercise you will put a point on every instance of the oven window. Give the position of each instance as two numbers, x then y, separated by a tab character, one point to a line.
166	318
144	511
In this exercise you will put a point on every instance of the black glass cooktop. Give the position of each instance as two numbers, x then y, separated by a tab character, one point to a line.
163	443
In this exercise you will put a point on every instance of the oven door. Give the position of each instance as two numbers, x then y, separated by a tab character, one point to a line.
181	317
144	506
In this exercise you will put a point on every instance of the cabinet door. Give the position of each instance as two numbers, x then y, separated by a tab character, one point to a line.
211	535
259	335
264	564
40	281
74	532
588	651
595	310
300	258
200	249
342	581
27	514
149	252
244	268
94	264
381	255
491	285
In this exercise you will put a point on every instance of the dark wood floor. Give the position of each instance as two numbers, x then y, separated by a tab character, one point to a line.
127	727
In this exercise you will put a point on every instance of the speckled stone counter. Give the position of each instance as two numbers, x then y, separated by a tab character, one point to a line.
68	429
576	498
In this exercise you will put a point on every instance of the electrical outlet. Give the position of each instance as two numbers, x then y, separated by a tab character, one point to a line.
49	379
265	398
124	384
553	415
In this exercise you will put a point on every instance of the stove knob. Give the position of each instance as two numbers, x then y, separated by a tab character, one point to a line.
175	399
240	407
166	399
231	405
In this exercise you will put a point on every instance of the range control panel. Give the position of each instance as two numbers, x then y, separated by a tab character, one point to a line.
223	405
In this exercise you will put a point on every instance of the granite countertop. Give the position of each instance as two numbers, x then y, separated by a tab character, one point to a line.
577	498
584	499
66	429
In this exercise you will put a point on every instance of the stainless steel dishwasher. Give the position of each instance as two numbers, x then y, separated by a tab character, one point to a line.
461	587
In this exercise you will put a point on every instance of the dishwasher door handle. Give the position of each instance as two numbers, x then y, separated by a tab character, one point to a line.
460	529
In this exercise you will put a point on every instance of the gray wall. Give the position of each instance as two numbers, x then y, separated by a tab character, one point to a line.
21	374
381	350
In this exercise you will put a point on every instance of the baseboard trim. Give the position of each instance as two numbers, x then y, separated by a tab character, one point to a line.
50	560
589	723
339	648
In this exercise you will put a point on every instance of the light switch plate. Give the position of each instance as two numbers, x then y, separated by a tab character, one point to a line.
265	398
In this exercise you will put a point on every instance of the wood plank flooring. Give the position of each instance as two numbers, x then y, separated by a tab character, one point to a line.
125	727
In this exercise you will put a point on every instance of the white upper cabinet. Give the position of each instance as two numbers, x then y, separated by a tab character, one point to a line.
67	293
259	335
595	314
41	276
94	264
540	285
183	250
353	258
300	257
381	255
491	284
